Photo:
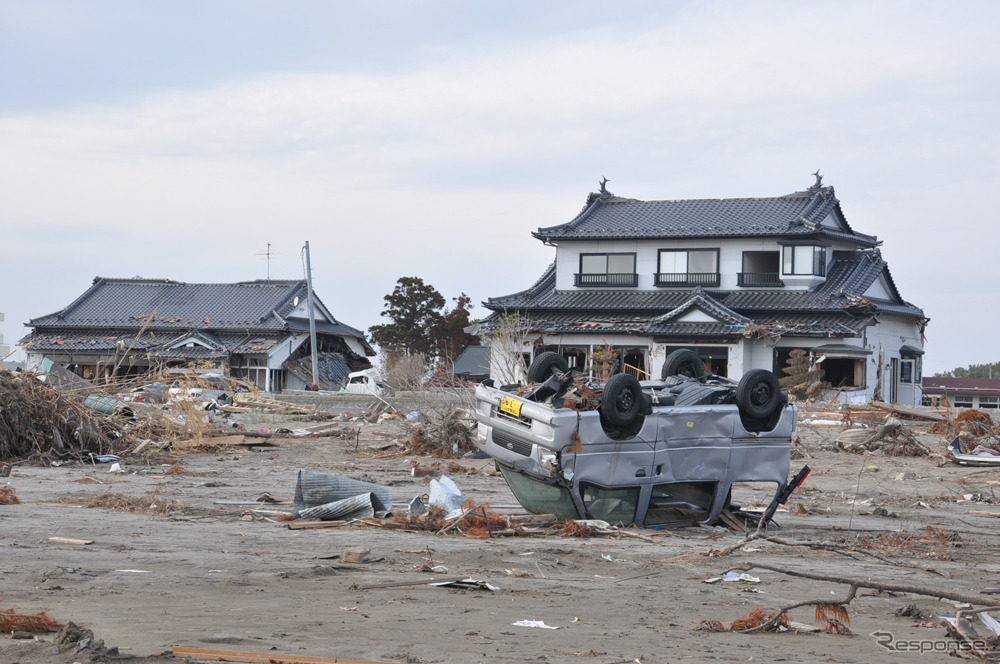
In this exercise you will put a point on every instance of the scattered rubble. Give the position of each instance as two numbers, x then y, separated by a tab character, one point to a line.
449	435
37	420
890	439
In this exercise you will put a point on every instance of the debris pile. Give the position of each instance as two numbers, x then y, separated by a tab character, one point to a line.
755	620
891	439
39	420
72	638
448	436
973	427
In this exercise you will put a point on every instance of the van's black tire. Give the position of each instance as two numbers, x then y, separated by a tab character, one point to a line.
683	362
622	401
544	365
758	394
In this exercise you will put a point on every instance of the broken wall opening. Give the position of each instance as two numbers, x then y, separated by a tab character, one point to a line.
843	372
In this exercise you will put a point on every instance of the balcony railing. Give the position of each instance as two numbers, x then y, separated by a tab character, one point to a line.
757	279
623	279
676	279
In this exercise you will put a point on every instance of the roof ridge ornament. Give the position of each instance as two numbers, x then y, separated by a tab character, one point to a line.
816	185
604	189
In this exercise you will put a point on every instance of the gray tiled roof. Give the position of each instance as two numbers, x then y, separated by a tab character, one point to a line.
850	274
125	303
699	299
334	328
333	369
794	215
836	307
121	307
152	342
473	361
825	325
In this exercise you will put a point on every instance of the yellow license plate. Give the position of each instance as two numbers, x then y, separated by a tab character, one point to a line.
512	406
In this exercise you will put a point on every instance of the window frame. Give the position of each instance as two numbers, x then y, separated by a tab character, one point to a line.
580	282
817	261
687	266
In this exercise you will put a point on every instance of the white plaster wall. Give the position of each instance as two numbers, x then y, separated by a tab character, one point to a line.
647	258
888	337
282	351
302	311
879	289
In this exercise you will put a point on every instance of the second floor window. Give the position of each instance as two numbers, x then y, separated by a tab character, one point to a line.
803	259
688	267
607	270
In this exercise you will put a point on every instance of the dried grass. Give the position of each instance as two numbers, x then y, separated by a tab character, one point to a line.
833	619
447	436
710	626
39	420
758	616
35	623
148	503
8	496
931	543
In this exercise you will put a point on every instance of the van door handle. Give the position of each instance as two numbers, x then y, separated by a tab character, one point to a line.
641	472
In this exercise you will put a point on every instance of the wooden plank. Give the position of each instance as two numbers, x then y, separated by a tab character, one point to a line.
300	524
70	540
534	519
922	413
263	658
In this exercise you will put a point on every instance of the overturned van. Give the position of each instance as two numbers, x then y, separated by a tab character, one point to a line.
649	453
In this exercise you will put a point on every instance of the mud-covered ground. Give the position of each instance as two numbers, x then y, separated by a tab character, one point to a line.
202	577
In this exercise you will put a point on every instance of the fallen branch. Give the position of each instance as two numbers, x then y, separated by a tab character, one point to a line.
817	603
876	585
843	550
854	585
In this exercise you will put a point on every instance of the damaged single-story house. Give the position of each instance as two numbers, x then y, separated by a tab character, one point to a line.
473	364
254	330
983	393
742	281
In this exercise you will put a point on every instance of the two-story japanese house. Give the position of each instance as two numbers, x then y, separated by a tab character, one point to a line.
742	281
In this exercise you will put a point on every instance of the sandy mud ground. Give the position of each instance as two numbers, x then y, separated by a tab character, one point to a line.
202	577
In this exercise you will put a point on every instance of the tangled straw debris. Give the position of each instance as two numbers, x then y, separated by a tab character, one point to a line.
35	623
8	496
39	420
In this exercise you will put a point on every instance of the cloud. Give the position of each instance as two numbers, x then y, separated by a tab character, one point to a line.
442	168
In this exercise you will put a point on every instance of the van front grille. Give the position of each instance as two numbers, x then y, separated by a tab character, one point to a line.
511	443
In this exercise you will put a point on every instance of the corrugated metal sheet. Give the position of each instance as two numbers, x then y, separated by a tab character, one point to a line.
314	489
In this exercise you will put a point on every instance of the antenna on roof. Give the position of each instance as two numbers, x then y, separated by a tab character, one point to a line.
268	254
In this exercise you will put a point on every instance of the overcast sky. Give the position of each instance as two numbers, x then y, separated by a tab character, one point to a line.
177	139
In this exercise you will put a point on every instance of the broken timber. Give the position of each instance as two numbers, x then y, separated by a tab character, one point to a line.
911	411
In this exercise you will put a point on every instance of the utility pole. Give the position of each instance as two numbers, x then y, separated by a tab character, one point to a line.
312	321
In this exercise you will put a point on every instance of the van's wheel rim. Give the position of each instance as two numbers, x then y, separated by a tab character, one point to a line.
624	401
761	394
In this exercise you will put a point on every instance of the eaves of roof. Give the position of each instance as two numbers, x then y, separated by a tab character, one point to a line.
795	215
827	326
